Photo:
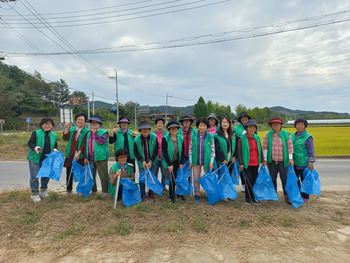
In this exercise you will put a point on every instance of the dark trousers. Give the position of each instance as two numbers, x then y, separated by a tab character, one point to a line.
172	183
300	176
69	179
249	177
274	169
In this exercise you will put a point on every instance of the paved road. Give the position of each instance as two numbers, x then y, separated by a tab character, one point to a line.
15	175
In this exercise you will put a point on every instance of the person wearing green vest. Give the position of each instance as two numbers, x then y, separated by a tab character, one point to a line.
186	131
213	123
278	151
240	129
160	133
75	137
225	144
145	150
201	153
304	152
95	150
122	168
173	155
41	142
250	156
123	138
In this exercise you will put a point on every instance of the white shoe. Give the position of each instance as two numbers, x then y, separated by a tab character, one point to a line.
44	194
225	199
243	188
36	198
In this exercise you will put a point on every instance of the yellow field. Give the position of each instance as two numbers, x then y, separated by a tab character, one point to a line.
329	140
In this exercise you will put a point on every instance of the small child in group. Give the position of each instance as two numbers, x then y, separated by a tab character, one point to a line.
122	168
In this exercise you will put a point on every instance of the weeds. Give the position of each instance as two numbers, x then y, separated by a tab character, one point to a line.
200	226
121	228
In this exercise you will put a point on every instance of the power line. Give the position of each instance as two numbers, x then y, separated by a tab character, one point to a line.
95	22
157	45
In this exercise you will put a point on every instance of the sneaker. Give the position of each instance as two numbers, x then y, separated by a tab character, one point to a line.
93	194
68	193
144	198
182	198
225	199
105	195
306	200
44	193
243	188
197	198
248	202
151	195
36	198
256	202
286	198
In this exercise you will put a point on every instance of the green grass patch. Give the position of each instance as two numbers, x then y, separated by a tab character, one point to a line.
200	226
70	232
121	228
288	222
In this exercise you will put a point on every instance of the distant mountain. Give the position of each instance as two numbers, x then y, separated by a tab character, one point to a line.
310	114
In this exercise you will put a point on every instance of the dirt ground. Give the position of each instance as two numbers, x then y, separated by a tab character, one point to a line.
77	229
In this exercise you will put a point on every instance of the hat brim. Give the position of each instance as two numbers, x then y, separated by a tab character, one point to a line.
276	120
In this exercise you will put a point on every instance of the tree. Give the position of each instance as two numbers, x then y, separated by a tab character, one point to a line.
60	94
176	113
239	108
130	109
200	108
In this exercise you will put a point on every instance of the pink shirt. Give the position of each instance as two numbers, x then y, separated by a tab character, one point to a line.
212	130
159	139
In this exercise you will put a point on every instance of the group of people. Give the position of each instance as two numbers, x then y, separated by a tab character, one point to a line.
213	142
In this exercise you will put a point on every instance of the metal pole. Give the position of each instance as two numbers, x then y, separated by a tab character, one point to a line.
88	106
135	117
116	94
93	104
166	107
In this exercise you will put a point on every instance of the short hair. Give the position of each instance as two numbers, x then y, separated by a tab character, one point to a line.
202	120
79	115
159	119
121	152
45	120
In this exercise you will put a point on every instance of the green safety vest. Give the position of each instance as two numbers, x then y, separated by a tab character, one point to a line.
40	141
84	130
170	149
164	132
101	150
119	143
300	155
152	145
239	129
223	146
116	167
207	149
246	149
284	135
180	131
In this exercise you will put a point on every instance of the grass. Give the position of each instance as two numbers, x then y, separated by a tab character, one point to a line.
328	140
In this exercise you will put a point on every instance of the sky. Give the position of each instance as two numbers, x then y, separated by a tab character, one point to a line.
294	54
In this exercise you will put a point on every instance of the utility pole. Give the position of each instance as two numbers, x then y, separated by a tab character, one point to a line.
116	92
135	116
93	103
88	106
166	106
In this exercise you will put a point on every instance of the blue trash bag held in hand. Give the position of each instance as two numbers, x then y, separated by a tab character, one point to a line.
87	181
142	177
311	184
183	187
235	173
52	166
292	188
209	182
226	183
131	194
77	170
186	169
153	183
263	188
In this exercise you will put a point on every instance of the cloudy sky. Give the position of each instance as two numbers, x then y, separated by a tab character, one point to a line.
294	54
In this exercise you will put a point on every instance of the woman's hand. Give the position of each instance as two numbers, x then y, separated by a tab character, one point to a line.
171	168
210	166
241	167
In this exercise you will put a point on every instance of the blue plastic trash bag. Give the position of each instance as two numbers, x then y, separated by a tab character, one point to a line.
226	183
77	170
263	188
209	182
292	188
235	172
183	187
131	194
166	181
52	166
186	169
311	184
86	182
153	183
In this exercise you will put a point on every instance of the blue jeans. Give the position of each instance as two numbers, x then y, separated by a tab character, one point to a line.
33	181
142	185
